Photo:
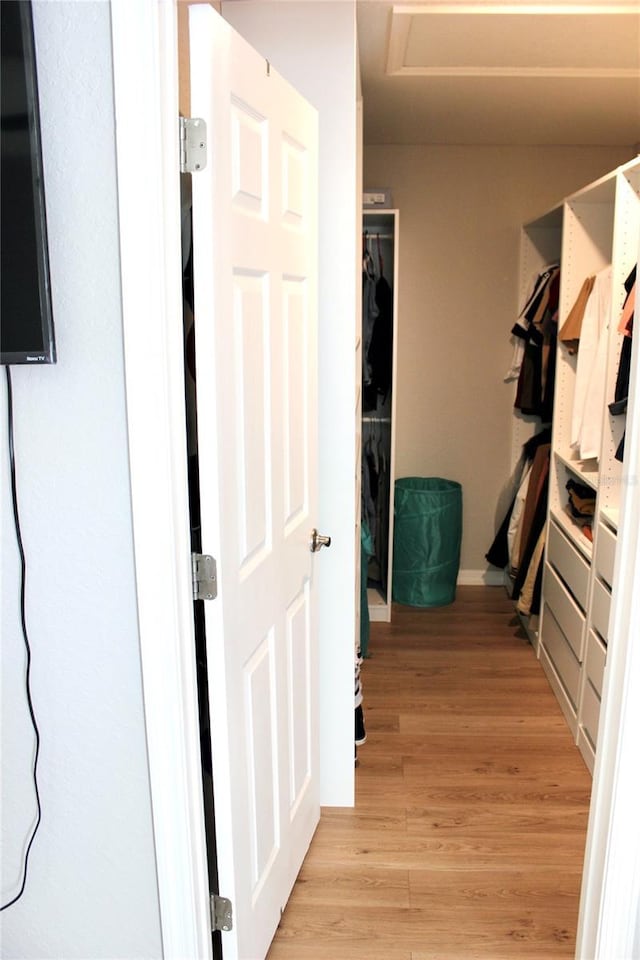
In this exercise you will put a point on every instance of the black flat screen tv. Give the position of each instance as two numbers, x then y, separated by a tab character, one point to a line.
26	320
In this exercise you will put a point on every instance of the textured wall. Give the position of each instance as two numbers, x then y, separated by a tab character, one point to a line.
92	889
460	214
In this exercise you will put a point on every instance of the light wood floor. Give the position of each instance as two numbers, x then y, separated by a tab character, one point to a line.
467	839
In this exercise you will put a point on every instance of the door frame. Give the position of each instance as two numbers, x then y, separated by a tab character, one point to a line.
144	37
145	47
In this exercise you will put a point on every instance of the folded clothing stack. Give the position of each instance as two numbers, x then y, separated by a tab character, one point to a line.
581	506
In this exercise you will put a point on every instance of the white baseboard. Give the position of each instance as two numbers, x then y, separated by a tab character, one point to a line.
481	578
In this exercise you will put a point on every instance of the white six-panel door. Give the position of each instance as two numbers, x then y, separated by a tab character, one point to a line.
255	252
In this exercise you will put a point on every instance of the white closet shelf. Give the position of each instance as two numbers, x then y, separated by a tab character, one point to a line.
587	471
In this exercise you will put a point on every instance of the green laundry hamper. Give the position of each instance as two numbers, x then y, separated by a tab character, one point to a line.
427	534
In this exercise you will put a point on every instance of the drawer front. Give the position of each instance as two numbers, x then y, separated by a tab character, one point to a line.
600	604
566	611
571	566
590	712
605	553
556	645
595	660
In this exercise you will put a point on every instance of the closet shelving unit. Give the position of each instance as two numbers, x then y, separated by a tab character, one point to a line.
600	226
380	232
540	246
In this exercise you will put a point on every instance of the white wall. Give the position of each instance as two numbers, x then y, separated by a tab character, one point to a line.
313	45
461	209
92	889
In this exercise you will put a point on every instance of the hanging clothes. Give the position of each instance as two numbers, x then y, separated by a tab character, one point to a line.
619	404
369	315
514	535
530	595
380	354
537	482
537	498
376	489
629	305
377	329
503	547
591	371
536	329
519	544
572	327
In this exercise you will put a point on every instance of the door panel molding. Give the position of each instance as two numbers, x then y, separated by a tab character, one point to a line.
255	309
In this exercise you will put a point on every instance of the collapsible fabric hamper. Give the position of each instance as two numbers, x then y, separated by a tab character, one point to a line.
427	533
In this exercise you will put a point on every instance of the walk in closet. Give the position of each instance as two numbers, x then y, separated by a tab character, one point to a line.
379	327
595	237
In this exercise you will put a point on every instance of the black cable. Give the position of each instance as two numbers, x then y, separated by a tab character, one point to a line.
23	619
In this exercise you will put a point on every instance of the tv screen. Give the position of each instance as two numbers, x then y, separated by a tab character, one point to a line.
26	321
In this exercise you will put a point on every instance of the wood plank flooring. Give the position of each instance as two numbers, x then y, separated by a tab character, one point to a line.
467	839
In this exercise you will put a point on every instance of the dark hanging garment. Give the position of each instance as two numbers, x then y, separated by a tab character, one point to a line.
369	317
498	553
381	347
539	520
549	329
538	482
528	395
376	444
536	601
619	405
621	395
537	327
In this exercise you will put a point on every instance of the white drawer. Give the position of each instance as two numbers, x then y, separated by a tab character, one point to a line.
556	645
600	603
570	564
590	712
566	611
605	553
595	660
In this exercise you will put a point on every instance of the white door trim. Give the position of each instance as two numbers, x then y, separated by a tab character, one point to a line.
144	36
609	924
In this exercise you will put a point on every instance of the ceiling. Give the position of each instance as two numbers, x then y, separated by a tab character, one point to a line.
500	72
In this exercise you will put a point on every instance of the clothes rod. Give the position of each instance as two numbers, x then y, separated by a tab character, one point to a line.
376	419
378	236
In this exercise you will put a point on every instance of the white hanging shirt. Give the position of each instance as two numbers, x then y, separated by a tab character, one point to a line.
515	527
591	372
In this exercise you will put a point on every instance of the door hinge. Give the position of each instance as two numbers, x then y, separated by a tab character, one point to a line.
221	913
193	144
204	577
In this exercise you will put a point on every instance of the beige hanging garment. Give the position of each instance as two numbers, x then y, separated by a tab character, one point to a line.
570	331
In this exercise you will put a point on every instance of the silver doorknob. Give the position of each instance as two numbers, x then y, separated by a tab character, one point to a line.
317	541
